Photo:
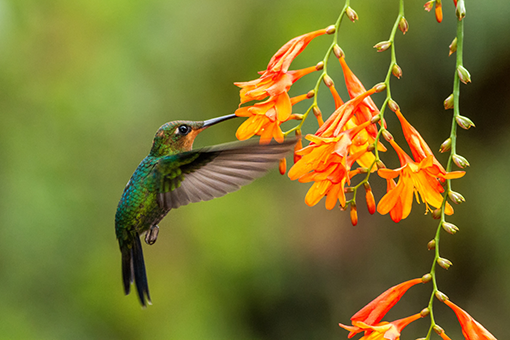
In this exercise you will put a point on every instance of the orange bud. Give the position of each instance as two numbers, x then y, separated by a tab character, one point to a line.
441	296
310	94
331	29
354	214
328	81
428	5
426	278
424	312
339	53
380	87
318	114
393	105
439	11
397	71
387	135
370	199
282	166
403	25
319	66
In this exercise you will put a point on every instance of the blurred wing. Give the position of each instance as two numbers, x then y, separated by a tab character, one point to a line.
212	172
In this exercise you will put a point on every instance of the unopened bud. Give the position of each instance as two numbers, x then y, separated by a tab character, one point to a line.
403	25
380	164
444	263
428	6
339	53
460	11
424	312
453	47
319	66
362	170
460	161
446	146
354	214
439	11
431	245
282	166
328	81
331	29
448	102
371	147
393	105
397	71
382	46
348	190
387	135
464	122
351	14
317	112
450	228
438	329
426	278
456	197
441	296
370	198
464	75
375	119
436	214
380	87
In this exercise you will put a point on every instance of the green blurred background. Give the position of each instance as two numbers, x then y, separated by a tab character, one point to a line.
84	85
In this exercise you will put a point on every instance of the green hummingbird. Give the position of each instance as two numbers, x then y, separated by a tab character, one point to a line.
173	175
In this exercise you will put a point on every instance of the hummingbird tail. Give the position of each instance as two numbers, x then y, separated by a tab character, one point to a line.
133	269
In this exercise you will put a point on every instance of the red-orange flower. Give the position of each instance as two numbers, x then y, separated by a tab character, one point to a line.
328	158
383	330
421	178
471	329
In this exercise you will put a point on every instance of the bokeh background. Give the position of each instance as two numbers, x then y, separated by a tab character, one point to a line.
84	85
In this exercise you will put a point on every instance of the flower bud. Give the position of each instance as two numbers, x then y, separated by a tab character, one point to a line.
319	66
310	94
428	6
380	164
441	296
393	105
448	102
431	245
460	161
456	197
439	11
424	312
464	75
370	198
354	214
348	190
387	135
426	278
282	166
397	71
464	122
438	329
446	146
339	53
380	87
328	81
460	10
450	228
436	214
444	263
375	119
382	46
351	14
453	47
331	29
403	25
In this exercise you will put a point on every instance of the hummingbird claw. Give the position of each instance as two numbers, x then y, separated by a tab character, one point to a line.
152	235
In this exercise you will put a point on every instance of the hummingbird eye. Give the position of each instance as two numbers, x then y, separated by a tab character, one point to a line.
184	129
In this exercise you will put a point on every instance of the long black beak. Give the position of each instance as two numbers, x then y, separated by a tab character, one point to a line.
213	121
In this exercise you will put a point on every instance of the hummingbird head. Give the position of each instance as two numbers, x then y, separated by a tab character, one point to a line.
178	136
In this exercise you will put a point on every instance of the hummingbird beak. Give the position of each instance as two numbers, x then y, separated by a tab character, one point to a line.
213	121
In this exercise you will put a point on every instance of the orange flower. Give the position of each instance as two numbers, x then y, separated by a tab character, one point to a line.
471	329
383	330
274	83
421	178
328	159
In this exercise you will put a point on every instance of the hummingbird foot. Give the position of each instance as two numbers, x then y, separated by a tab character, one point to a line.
152	235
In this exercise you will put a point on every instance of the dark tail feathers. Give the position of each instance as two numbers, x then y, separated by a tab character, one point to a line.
133	269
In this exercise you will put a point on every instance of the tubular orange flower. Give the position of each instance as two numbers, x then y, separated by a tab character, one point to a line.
471	329
383	330
421	178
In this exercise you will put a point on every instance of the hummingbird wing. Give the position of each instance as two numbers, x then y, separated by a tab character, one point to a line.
204	174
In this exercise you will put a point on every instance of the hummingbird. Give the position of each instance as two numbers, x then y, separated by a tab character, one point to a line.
173	175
